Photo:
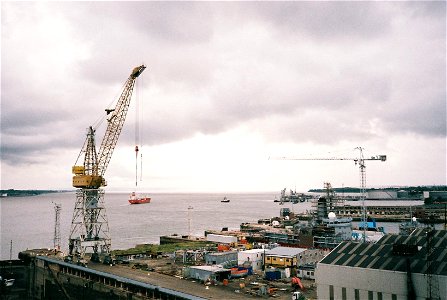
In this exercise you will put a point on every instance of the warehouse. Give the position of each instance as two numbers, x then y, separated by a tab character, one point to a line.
396	267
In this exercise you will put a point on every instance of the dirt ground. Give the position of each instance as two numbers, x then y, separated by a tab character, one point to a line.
164	272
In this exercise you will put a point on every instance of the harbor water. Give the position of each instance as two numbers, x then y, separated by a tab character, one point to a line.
29	221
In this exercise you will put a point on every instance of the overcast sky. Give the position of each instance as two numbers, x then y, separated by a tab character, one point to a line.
227	85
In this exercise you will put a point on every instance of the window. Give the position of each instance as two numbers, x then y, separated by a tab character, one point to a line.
370	295
356	294
343	293
393	297
379	296
331	292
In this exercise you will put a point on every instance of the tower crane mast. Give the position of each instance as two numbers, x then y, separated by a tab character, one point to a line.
360	161
89	227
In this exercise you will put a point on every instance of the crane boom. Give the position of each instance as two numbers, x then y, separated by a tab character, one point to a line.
116	122
90	175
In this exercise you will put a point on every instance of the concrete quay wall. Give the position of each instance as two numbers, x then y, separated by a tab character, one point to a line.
43	277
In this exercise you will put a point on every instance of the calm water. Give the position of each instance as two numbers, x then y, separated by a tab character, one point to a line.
29	221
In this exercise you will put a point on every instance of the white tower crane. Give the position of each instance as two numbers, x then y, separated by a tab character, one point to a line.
360	161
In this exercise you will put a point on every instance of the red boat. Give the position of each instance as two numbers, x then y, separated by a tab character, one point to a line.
134	199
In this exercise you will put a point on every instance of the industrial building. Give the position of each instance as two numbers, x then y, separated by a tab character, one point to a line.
381	194
283	257
253	257
219	258
396	267
207	273
288	257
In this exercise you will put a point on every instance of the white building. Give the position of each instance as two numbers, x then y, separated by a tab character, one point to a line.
207	273
220	238
394	268
254	256
381	194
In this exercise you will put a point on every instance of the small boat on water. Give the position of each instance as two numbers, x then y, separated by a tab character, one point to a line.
134	199
225	200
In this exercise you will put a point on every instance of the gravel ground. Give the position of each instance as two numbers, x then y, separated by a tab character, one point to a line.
164	273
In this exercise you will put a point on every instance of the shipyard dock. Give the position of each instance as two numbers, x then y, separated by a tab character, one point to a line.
44	276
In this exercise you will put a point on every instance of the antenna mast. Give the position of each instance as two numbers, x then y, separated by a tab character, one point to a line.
57	226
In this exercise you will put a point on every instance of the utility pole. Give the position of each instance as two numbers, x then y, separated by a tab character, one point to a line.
57	226
189	220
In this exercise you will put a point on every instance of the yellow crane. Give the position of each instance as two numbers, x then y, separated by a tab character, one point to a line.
89	226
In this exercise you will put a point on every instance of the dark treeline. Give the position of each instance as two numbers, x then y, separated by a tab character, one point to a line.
25	193
410	189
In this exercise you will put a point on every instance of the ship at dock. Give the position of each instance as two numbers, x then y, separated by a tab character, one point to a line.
292	196
325	226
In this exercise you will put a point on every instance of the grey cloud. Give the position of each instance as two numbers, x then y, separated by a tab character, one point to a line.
299	93
425	117
329	21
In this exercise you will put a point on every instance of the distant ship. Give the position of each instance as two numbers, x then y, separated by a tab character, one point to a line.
134	199
293	196
225	200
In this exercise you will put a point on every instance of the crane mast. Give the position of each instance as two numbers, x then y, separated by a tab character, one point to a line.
89	226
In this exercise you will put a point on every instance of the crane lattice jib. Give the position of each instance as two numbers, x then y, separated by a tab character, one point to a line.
116	122
377	157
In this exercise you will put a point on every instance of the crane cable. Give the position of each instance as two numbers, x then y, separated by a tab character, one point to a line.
116	98
139	99
137	132
100	120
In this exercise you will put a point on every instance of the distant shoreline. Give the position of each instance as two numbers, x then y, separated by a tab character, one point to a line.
28	193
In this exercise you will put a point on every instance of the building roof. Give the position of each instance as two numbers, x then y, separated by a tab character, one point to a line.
253	251
211	268
225	253
392	252
284	251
